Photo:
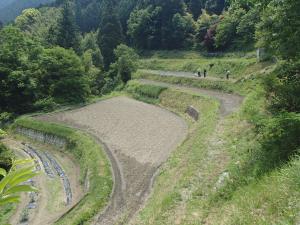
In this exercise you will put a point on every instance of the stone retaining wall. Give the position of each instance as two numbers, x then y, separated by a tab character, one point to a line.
42	137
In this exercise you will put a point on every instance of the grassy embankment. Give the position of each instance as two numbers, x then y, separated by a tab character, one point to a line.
92	161
258	190
238	64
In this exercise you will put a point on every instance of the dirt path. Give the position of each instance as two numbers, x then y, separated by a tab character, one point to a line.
184	74
229	102
138	138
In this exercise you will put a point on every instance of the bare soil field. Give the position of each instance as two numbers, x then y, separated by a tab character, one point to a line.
138	138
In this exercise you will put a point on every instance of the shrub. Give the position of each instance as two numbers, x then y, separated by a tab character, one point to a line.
45	104
283	87
5	157
5	118
280	139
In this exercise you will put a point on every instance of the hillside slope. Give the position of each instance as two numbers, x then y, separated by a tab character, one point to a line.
10	9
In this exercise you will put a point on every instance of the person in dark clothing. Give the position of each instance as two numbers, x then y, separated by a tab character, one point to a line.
205	72
199	73
227	74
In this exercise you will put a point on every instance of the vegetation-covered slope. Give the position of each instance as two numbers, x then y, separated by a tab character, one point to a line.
10	9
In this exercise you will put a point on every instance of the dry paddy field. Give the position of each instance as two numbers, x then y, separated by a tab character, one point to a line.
138	138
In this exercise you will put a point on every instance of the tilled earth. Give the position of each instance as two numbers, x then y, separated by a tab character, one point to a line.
138	138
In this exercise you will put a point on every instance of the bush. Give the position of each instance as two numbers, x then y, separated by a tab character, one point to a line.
145	92
280	139
109	86
45	104
6	157
71	90
5	118
283	87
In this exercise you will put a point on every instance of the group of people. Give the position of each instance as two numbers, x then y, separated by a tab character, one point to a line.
205	73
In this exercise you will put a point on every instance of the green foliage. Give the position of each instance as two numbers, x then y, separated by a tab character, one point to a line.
5	118
226	29
6	157
45	104
283	87
40	24
215	6
279	28
162	24
279	141
27	19
12	8
2	134
18	61
246	28
126	62
11	184
145	92
93	163
194	7
204	22
62	76
142	28
89	43
67	36
110	35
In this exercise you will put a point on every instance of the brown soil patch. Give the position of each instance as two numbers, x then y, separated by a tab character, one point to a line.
139	137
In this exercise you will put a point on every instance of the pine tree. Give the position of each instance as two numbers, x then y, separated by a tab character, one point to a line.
67	30
110	34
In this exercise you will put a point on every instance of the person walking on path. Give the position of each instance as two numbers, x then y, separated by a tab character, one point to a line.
227	74
199	73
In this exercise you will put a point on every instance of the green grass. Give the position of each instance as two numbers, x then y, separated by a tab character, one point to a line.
274	199
191	62
178	172
221	85
90	158
144	92
256	192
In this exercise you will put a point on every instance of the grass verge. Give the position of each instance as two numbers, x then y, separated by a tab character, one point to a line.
237	64
91	159
177	173
254	193
209	84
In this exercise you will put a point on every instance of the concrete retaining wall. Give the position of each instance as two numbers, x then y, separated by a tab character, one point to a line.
42	137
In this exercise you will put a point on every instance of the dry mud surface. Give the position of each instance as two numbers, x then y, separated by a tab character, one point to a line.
137	137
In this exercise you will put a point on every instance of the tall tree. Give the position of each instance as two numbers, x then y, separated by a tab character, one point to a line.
67	29
110	34
279	29
195	7
18	59
215	6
